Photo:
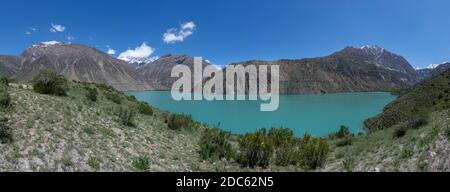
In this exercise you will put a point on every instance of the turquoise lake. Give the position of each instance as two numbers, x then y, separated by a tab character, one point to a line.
318	115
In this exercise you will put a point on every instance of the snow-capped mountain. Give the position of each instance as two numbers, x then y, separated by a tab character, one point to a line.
381	58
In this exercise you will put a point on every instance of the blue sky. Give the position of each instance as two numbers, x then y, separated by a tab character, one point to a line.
227	31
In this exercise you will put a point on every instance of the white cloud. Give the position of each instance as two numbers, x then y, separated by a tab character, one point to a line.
140	54
178	35
70	37
111	51
188	26
57	28
30	30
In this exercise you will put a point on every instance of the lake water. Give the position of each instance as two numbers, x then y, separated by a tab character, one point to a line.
318	115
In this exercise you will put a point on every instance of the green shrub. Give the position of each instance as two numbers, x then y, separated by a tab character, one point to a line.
406	153
132	98
94	162
285	156
114	97
283	141
5	131
145	109
345	141
126	116
416	122
5	100
255	149
180	121
91	94
400	131
342	133
314	152
448	133
4	80
215	144
142	163
106	88
281	137
348	164
50	82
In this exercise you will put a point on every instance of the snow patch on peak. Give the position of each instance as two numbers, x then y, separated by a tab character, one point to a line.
373	49
432	66
48	44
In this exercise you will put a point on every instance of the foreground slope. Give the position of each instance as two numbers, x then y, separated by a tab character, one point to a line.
73	134
411	134
426	148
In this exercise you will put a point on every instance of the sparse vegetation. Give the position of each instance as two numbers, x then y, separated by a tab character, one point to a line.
50	82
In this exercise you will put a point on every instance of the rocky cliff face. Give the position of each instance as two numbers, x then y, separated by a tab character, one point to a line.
81	63
9	65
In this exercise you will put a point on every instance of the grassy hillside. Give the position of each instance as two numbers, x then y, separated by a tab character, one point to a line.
415	104
411	134
426	148
72	133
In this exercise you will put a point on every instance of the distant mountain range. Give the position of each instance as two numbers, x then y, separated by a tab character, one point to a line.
433	70
369	68
76	62
352	69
